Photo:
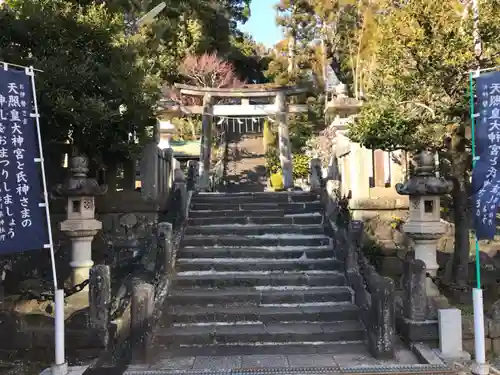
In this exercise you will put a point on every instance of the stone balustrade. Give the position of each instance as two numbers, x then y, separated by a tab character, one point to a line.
373	294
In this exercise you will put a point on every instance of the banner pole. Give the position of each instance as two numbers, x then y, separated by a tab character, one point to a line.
30	71
481	368
60	366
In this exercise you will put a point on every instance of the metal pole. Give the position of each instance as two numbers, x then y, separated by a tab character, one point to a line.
480	367
60	366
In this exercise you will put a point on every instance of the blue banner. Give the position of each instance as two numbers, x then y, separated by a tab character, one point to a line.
23	224
486	172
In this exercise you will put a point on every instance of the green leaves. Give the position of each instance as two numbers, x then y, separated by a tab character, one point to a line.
382	126
90	69
92	65
418	82
300	164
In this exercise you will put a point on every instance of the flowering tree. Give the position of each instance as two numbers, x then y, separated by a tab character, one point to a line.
208	70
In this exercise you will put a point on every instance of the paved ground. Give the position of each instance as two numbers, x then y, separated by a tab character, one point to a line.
246	169
161	361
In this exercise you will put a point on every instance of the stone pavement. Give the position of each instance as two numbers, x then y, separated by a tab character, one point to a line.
233	362
285	360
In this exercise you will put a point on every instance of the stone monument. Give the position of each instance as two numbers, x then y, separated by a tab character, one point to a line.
424	224
80	225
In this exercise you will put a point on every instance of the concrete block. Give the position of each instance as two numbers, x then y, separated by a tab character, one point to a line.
450	334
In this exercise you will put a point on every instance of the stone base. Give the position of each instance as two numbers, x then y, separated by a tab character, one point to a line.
72	370
458	357
60	369
425	354
483	369
411	331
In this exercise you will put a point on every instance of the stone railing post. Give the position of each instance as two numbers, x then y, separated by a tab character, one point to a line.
381	332
183	194
100	299
352	264
149	167
414	286
355	231
192	175
165	231
180	188
141	319
315	175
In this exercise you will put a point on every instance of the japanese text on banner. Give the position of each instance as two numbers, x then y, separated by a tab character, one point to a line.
22	220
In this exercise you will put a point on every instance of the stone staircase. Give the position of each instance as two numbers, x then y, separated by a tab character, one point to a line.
256	272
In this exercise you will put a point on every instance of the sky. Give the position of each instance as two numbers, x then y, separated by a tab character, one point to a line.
262	25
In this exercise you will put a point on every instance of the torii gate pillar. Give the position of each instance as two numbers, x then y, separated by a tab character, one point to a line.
206	142
284	140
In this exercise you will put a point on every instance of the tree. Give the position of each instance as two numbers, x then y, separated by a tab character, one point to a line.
208	70
91	70
250	59
297	19
419	89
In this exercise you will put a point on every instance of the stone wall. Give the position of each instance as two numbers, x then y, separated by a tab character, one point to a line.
384	239
383	242
491	332
110	210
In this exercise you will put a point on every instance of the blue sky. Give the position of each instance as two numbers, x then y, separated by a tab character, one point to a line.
262	24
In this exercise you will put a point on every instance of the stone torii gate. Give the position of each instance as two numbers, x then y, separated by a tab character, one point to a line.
280	108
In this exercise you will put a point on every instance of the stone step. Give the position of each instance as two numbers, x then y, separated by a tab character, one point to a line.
260	296
263	278
256	333
255	230
264	314
256	197
256	240
311	218
235	206
282	252
284	348
257	264
250	213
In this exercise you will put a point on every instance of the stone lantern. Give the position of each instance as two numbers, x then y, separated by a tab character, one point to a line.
80	225
424	224
166	130
354	174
